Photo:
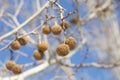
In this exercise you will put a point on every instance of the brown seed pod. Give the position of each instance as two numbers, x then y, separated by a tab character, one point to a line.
64	24
74	20
10	64
70	13
46	29
43	46
17	69
71	42
15	45
23	40
38	55
63	49
56	29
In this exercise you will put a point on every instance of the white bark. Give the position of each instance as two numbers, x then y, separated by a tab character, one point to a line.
23	24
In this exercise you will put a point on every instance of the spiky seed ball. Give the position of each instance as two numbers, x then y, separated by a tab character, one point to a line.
17	69
64	24
23	40
43	46
63	49
56	29
15	45
10	64
46	29
38	55
74	20
71	42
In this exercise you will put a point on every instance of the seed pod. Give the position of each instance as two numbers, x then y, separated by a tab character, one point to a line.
56	29
63	49
74	20
10	64
71	42
46	29
38	55
23	40
43	46
64	24
70	13
17	69
15	45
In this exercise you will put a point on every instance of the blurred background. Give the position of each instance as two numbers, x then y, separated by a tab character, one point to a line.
98	22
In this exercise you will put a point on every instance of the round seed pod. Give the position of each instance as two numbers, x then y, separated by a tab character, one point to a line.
10	64
46	30
56	29
17	69
74	20
43	46
63	49
71	42
23	40
38	55
15	45
64	24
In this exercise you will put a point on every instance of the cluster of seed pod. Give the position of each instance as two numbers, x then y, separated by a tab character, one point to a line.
55	29
39	53
64	48
69	44
16	44
12	66
43	46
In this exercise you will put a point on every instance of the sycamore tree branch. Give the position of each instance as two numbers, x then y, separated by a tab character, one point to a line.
43	66
22	30
25	23
46	64
93	64
19	7
69	72
26	34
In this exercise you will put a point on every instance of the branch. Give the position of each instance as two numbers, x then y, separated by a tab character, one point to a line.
25	34
23	24
97	65
19	7
43	66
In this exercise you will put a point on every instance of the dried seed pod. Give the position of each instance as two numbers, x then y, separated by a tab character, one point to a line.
74	20
15	45
10	64
38	55
17	69
43	46
71	42
70	13
63	49
46	29
23	40
64	24
56	29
